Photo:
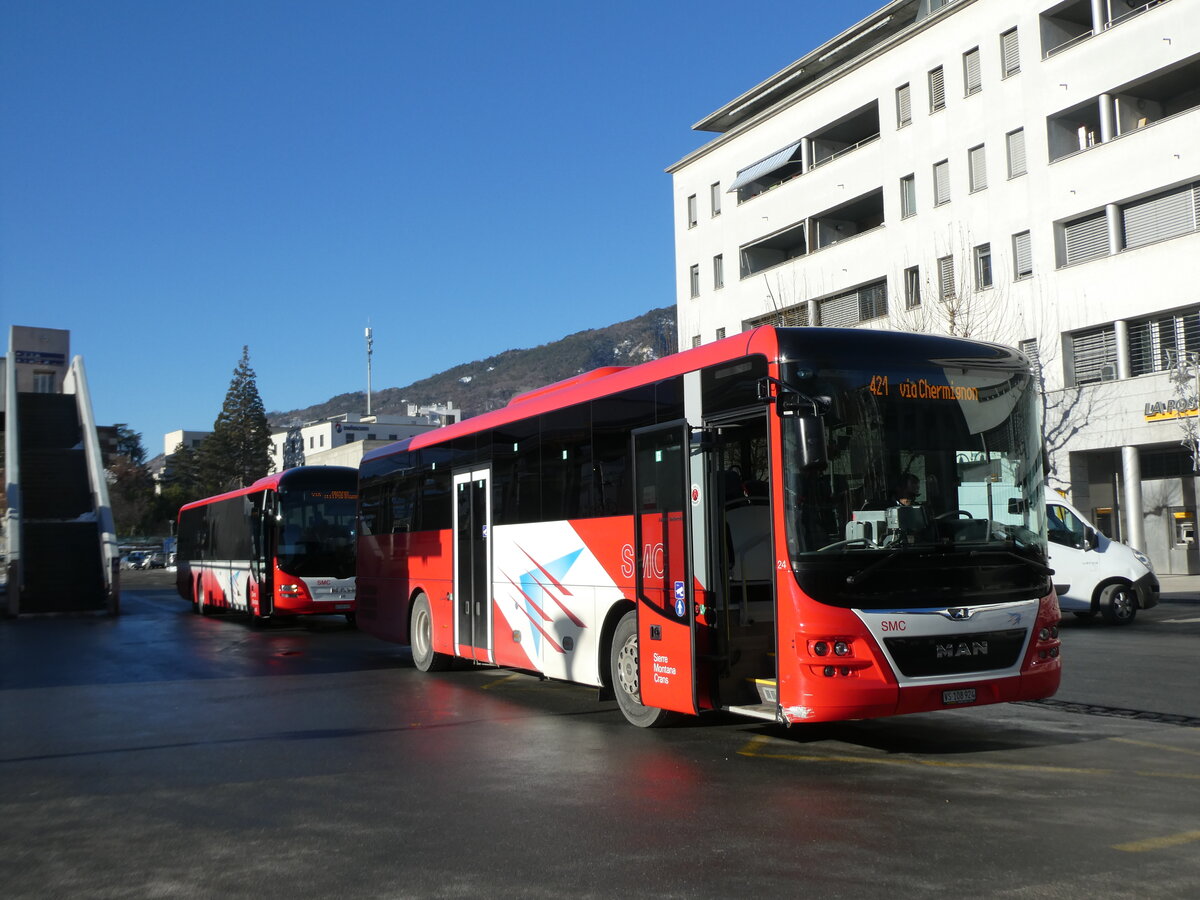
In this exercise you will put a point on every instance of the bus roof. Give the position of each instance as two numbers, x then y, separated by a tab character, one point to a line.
828	346
273	481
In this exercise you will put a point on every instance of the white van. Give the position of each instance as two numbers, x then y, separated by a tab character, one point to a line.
1092	573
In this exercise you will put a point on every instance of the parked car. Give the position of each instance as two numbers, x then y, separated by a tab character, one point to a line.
1094	574
135	559
154	560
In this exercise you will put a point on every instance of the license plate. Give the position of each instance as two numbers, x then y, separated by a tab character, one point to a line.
964	695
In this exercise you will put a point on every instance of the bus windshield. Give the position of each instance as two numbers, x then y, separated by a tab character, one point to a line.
930	492
316	532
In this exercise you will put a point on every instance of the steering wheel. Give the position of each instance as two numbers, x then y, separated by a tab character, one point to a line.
853	542
954	514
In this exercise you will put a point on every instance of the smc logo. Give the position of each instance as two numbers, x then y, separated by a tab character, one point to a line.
894	625
652	560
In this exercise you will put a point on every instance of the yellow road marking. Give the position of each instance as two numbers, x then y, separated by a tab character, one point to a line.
493	683
754	747
1156	746
1158	843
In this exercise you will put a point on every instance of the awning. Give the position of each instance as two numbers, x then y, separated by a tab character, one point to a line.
752	173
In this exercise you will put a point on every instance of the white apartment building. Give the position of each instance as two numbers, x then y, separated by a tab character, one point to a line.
341	440
1021	171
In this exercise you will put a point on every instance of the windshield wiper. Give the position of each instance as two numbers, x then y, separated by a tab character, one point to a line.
879	563
1033	564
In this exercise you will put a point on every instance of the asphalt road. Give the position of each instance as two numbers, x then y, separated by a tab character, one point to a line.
160	754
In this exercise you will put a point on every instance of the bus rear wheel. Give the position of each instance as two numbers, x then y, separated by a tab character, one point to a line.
424	656
623	669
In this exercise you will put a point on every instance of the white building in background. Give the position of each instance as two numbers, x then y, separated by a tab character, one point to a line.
1022	171
342	440
189	440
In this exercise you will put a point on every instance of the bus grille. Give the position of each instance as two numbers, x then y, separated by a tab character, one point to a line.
948	654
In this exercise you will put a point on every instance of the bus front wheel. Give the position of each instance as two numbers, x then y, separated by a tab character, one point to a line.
623	669
424	656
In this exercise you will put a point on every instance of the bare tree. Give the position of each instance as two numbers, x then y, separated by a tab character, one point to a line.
1185	376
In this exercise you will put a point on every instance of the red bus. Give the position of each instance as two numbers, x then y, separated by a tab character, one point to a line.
716	530
284	546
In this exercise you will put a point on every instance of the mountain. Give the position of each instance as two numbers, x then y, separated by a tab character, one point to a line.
485	384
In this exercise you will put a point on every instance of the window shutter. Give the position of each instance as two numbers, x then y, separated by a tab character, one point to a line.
1094	355
941	182
1086	238
978	164
1030	349
1158	218
1022	255
840	311
1016	153
1010	51
937	89
903	105
972	77
946	277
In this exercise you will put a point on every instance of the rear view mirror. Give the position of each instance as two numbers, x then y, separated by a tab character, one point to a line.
811	430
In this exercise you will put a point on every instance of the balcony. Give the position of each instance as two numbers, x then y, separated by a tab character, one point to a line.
846	135
1072	23
1126	109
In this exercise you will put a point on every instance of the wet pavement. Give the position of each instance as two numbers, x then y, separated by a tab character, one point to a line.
161	754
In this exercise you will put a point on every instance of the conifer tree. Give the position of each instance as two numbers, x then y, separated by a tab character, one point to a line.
238	452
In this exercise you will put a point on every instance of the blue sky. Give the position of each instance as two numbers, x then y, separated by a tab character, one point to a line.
178	179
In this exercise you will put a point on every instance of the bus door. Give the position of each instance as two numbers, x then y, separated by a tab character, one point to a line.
473	563
262	540
663	569
741	572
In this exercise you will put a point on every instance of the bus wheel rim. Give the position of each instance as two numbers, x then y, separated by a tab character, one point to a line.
627	668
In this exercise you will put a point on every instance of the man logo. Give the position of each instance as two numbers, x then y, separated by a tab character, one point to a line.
974	648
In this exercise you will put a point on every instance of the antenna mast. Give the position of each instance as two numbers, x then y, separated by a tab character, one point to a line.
370	341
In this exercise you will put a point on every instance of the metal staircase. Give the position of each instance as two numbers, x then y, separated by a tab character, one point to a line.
61	543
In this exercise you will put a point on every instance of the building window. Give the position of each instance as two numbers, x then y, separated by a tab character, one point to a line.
972	75
43	382
1086	238
1010	53
941	182
694	280
691	211
912	287
1022	256
908	196
903	106
695	340
1155	344
322	443
720	334
983	267
349	437
1016	152
977	168
946	278
718	271
1092	355
937	90
311	443
714	198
